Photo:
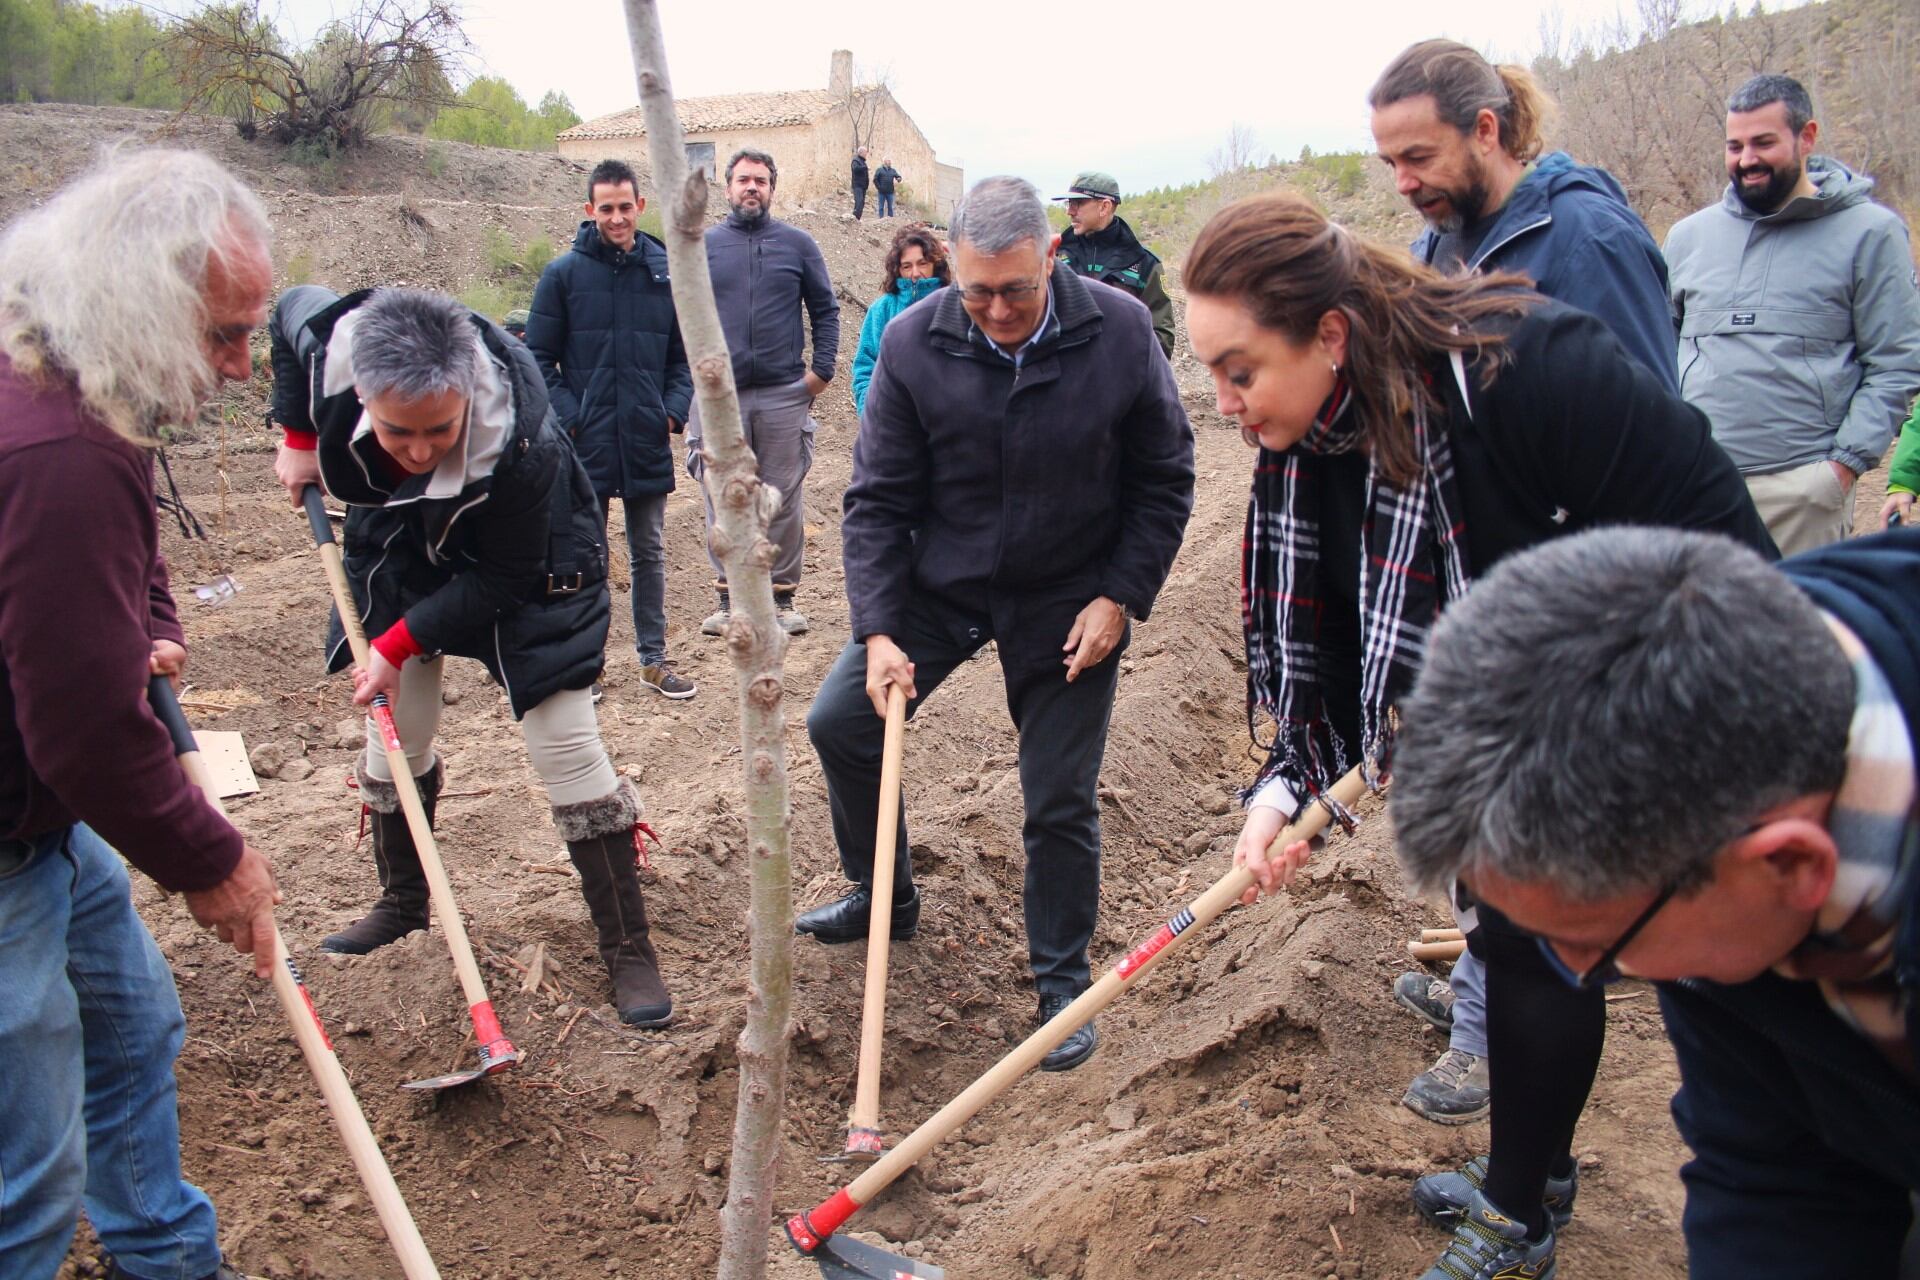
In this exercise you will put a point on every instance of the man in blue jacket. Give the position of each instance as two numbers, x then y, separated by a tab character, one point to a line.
964	525
603	331
764	271
1729	810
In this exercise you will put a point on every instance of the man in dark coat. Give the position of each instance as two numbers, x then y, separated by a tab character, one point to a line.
884	180
1728	809
604	334
1101	246
1023	475
859	182
472	531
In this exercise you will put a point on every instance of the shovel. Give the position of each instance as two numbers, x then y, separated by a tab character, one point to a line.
812	1232
863	1125
398	1223
496	1051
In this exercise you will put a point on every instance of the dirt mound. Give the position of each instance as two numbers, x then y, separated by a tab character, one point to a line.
1240	1118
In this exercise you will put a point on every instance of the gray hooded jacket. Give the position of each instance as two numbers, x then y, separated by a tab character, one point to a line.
1799	329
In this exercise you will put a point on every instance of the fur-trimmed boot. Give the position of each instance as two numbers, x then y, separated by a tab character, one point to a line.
404	895
599	836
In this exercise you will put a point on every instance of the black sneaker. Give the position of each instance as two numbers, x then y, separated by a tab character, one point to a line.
1488	1245
1442	1197
1455	1090
1427	996
1076	1048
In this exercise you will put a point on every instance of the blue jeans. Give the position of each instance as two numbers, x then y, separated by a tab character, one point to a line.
646	555
90	1024
883	202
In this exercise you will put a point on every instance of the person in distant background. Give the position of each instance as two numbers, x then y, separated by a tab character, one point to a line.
515	322
1903	473
859	182
916	266
884	179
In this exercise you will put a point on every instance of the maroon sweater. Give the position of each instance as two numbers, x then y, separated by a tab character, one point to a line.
83	596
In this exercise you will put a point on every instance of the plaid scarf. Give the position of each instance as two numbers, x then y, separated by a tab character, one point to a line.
1414	560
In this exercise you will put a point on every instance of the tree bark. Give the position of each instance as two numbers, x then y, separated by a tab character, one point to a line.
742	507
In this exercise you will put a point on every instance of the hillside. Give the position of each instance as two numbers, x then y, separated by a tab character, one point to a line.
1240	1119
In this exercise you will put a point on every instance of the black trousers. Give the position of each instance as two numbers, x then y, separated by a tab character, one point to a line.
1063	737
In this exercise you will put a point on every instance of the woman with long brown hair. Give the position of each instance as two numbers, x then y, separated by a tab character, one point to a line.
916	266
1414	428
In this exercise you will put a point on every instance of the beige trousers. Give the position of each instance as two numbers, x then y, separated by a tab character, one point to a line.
562	737
1803	507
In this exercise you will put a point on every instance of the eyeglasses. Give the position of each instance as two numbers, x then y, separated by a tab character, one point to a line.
1606	969
981	295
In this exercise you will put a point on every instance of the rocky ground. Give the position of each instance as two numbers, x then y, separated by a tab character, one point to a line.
1240	1120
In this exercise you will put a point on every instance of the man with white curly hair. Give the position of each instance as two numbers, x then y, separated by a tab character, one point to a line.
124	302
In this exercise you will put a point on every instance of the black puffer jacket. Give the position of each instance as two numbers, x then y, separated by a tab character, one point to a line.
487	573
603	332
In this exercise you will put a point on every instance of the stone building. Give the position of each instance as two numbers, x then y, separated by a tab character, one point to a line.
811	134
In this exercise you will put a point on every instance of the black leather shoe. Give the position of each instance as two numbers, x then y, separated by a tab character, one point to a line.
848	919
1076	1048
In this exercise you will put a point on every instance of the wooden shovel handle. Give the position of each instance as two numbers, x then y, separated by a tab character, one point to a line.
288	988
873	1012
1448	949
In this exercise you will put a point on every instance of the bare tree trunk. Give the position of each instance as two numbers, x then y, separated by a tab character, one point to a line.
742	506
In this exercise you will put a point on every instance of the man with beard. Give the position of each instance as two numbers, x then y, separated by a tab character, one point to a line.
764	271
1798	314
1464	141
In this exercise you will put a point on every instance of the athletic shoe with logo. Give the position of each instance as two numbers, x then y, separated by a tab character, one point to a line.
1442	1197
1488	1245
1455	1090
667	682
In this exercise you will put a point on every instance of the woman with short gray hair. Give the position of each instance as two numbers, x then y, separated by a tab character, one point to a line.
472	531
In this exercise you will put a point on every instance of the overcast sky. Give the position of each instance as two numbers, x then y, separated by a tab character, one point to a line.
1143	90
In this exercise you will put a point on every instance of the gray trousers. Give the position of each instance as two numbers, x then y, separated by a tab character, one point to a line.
1469	983
779	430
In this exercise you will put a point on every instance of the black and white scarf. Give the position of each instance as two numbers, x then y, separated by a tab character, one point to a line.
1413	561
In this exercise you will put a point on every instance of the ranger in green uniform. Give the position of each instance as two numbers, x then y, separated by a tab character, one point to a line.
1101	246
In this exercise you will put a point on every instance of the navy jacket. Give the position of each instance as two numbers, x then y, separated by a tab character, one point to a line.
604	334
1806	1138
761	279
508	571
1017	496
1568	227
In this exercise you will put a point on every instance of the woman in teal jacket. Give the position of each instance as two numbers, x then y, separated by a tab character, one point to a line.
1903	473
916	266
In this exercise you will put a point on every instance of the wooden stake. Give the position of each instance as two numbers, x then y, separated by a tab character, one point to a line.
1428	952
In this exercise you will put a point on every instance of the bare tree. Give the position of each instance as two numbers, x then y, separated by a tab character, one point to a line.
862	100
742	507
383	55
1236	154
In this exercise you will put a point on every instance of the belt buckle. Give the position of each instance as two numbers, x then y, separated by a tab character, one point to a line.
565	584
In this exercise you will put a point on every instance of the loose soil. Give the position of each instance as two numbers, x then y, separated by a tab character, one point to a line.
1241	1118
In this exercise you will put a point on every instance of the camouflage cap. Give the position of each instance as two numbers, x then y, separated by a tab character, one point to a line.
1091	184
517	318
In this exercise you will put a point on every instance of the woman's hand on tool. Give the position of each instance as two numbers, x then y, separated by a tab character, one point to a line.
887	665
1270	875
240	909
377	677
168	660
295	469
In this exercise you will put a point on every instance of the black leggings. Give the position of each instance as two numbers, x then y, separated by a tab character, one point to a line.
1543	1047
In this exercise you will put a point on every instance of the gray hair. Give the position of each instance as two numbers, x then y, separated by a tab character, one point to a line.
412	344
105	283
999	213
1765	89
1603	712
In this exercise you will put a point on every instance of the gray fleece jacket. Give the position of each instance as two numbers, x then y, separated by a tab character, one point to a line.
1799	329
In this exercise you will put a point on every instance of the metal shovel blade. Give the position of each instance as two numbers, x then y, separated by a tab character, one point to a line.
841	1258
487	1067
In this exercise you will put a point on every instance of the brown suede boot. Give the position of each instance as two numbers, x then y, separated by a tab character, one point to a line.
599	836
404	896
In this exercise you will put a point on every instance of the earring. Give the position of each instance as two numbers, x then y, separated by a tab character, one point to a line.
1335	366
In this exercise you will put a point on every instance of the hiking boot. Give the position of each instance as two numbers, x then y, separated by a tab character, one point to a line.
792	621
1453	1091
1488	1245
1442	1197
1076	1048
1427	996
715	623
404	896
849	919
225	1271
599	836
668	683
